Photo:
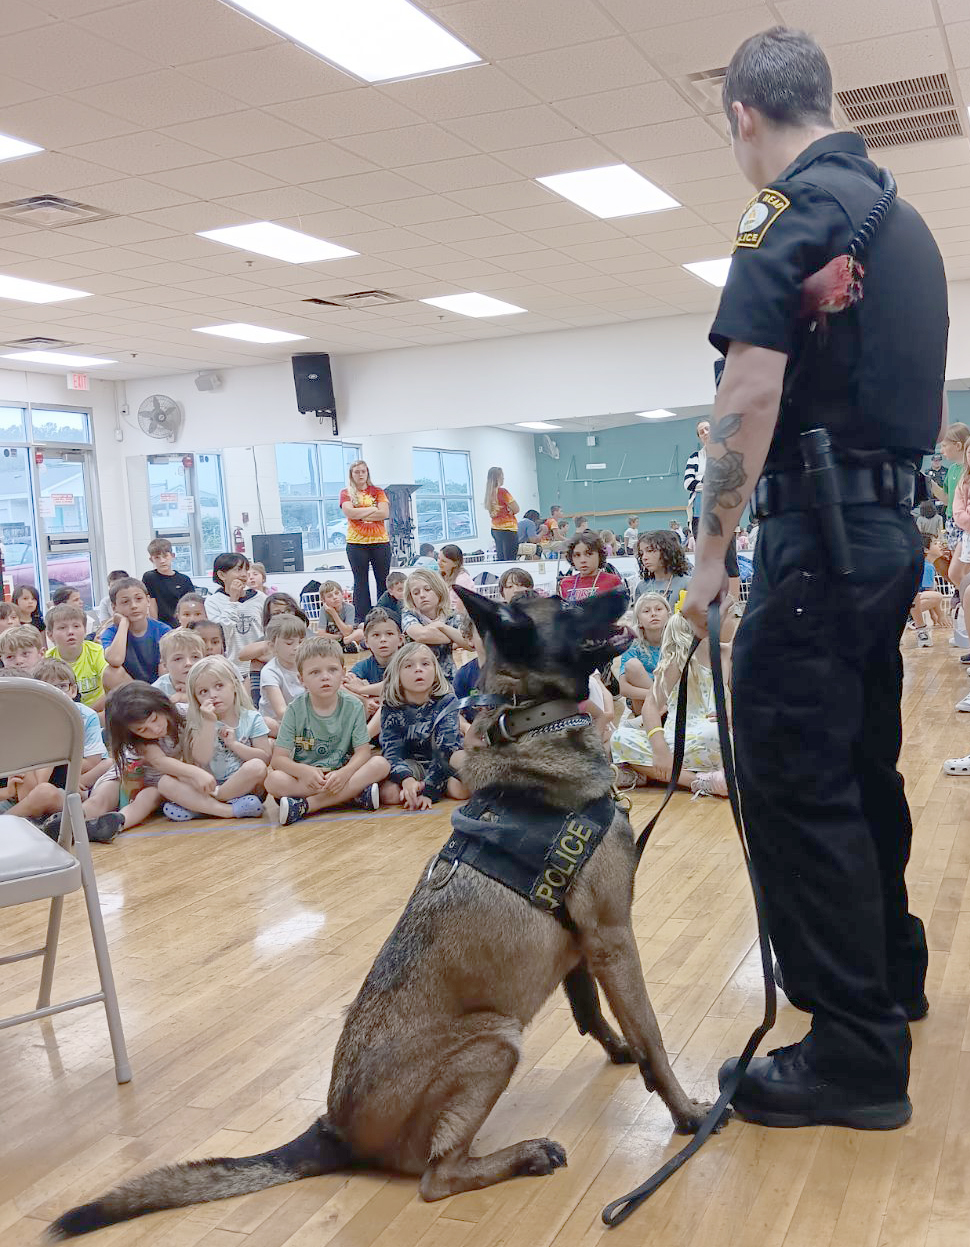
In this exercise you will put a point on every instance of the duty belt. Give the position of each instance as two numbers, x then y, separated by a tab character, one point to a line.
888	484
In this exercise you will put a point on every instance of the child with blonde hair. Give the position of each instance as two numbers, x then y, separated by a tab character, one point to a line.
636	666
643	748
21	649
428	618
420	735
279	679
323	756
337	618
180	649
228	738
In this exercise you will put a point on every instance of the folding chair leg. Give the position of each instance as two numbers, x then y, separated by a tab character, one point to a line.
50	952
91	900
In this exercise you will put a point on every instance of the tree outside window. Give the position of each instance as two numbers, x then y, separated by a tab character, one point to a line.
444	507
310	477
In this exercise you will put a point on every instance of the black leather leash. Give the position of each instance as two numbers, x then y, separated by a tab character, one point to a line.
617	1211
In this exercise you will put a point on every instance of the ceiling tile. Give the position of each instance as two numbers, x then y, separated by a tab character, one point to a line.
834	21
49	171
604	65
367	188
887	59
278	203
564	157
244	133
506	195
406	145
129	195
357	111
958	37
191	218
420	210
63	55
462	229
122	230
518	127
500	28
219	179
270	75
161	98
613	110
678	169
668	139
704	43
461	174
309	163
56	121
478	89
143	152
175	31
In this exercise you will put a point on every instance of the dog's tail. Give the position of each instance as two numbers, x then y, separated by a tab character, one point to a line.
318	1150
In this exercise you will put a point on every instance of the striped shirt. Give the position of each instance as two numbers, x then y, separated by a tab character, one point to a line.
694	471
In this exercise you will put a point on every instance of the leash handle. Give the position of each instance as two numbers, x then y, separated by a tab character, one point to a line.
618	1210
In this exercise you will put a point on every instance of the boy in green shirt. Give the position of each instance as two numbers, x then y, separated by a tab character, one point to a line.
322	756
65	629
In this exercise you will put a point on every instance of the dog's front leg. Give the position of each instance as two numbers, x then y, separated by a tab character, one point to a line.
612	956
580	988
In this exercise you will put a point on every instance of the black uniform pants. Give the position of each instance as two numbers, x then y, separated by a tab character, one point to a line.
817	735
361	558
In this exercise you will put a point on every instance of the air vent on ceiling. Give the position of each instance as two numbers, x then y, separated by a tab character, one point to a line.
706	88
39	344
913	110
51	212
360	298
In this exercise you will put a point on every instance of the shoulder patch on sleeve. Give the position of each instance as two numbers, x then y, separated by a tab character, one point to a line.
759	216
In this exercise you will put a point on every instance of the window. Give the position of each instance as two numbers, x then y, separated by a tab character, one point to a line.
444	505
311	476
60	426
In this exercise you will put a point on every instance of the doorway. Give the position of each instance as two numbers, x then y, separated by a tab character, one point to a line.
188	506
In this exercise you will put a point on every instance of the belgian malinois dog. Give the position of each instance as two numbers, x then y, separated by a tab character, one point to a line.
433	1037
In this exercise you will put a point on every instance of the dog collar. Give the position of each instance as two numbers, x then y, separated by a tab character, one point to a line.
532	719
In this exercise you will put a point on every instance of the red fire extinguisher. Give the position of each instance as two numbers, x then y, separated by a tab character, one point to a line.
238	541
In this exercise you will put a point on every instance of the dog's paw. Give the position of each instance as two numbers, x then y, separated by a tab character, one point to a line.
699	1112
541	1157
619	1052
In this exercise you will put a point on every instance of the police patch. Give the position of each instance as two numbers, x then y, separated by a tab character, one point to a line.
759	216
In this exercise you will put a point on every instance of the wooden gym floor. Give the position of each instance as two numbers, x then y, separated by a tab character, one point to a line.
237	948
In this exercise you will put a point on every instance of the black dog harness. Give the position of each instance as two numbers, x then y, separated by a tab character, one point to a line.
527	846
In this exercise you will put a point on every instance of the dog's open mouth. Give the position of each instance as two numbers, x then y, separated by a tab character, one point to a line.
617	640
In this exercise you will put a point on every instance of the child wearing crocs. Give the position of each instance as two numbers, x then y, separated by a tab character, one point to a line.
322	756
226	737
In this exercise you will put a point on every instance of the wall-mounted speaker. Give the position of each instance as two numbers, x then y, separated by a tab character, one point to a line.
208	381
314	386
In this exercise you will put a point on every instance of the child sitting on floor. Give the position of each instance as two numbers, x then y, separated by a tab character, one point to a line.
39	794
337	617
237	608
420	736
181	649
213	637
65	631
365	679
651	612
587	555
279	680
189	610
392	597
513	581
428	618
145	741
131	641
8	616
226	736
928	601
21	649
323	757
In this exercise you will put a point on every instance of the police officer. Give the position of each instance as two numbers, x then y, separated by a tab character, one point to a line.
817	668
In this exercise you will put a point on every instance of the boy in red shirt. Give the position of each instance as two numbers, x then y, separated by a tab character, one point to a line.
587	554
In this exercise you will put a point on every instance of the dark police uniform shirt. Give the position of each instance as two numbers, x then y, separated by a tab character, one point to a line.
875	378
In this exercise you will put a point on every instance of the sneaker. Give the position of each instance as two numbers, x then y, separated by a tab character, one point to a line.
709	784
965	659
910	623
104	828
370	798
964	704
51	825
957	766
292	809
247	807
782	1089
923	639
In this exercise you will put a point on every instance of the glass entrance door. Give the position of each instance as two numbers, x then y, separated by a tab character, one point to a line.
63	496
189	508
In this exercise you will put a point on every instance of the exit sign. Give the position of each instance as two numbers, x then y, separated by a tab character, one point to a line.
78	381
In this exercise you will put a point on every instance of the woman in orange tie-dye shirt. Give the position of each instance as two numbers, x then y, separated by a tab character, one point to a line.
502	509
368	545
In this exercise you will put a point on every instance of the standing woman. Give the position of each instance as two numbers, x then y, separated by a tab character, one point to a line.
502	509
368	545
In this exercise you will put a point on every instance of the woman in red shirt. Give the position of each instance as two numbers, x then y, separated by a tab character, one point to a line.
368	545
587	555
502	509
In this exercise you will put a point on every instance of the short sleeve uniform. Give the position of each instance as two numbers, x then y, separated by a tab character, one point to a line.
872	372
326	741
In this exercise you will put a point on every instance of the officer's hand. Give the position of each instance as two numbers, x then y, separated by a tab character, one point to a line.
708	584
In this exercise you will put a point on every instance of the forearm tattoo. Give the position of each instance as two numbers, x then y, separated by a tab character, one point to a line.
724	476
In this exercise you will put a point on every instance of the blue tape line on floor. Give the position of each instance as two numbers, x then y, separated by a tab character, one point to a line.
251	824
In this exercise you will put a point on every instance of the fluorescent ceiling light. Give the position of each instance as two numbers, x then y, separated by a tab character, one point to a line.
613	190
536	424
714	272
11	148
24	291
265	238
661	413
474	305
57	357
376	40
252	333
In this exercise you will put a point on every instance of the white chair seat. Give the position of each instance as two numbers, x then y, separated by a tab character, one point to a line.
32	865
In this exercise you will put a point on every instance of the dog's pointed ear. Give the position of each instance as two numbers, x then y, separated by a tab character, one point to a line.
510	628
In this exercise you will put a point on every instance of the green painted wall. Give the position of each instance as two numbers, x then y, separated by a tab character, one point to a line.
657	449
